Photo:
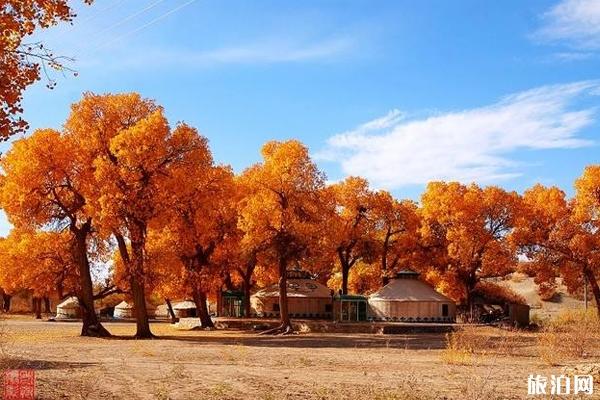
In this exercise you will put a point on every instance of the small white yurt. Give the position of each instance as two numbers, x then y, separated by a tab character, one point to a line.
185	309
123	310
126	310
406	298
68	309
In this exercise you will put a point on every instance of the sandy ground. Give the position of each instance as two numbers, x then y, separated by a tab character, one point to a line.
244	365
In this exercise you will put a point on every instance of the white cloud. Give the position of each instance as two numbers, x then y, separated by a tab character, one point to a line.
260	52
575	22
568	56
470	145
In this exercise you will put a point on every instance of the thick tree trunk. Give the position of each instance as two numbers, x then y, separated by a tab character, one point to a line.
6	302
37	307
47	309
284	314
171	311
345	273
201	307
91	325
247	282
285	326
135	268
346	262
141	313
595	289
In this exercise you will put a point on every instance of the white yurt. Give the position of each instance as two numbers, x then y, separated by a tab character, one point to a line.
123	310
407	298
126	310
307	298
185	309
68	309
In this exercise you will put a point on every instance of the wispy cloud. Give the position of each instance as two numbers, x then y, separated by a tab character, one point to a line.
572	22
568	56
470	145
255	53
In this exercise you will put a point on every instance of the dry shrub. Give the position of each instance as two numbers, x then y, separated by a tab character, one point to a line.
476	352
571	335
462	344
547	291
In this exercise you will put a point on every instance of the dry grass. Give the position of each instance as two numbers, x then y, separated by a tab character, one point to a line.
480	356
464	343
571	335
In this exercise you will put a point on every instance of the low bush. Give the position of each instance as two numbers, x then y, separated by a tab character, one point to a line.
571	335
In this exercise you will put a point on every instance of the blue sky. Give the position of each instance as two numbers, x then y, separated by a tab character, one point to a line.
401	92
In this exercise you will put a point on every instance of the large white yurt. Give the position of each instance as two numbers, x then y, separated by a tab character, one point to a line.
68	309
125	310
307	298
406	298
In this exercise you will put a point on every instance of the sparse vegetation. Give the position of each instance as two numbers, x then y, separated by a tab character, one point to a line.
238	365
571	335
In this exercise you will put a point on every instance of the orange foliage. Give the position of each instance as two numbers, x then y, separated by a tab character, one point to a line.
20	62
397	224
37	261
351	224
473	226
560	237
282	210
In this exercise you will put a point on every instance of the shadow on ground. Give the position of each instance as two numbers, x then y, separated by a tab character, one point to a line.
19	363
412	342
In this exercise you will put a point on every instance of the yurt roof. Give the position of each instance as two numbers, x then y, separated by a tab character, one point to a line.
407	273
70	302
124	305
184	305
408	290
297	288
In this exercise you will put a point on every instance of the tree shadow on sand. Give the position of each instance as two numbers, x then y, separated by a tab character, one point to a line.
410	342
20	363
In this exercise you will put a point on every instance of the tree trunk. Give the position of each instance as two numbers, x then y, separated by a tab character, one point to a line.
595	289
202	309
247	281
47	309
285	326
345	269
91	325
170	310
384	254
6	302
37	307
141	313
247	309
284	314
135	269
345	273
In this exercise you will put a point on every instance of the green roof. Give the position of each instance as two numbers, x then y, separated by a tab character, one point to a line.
232	293
350	297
